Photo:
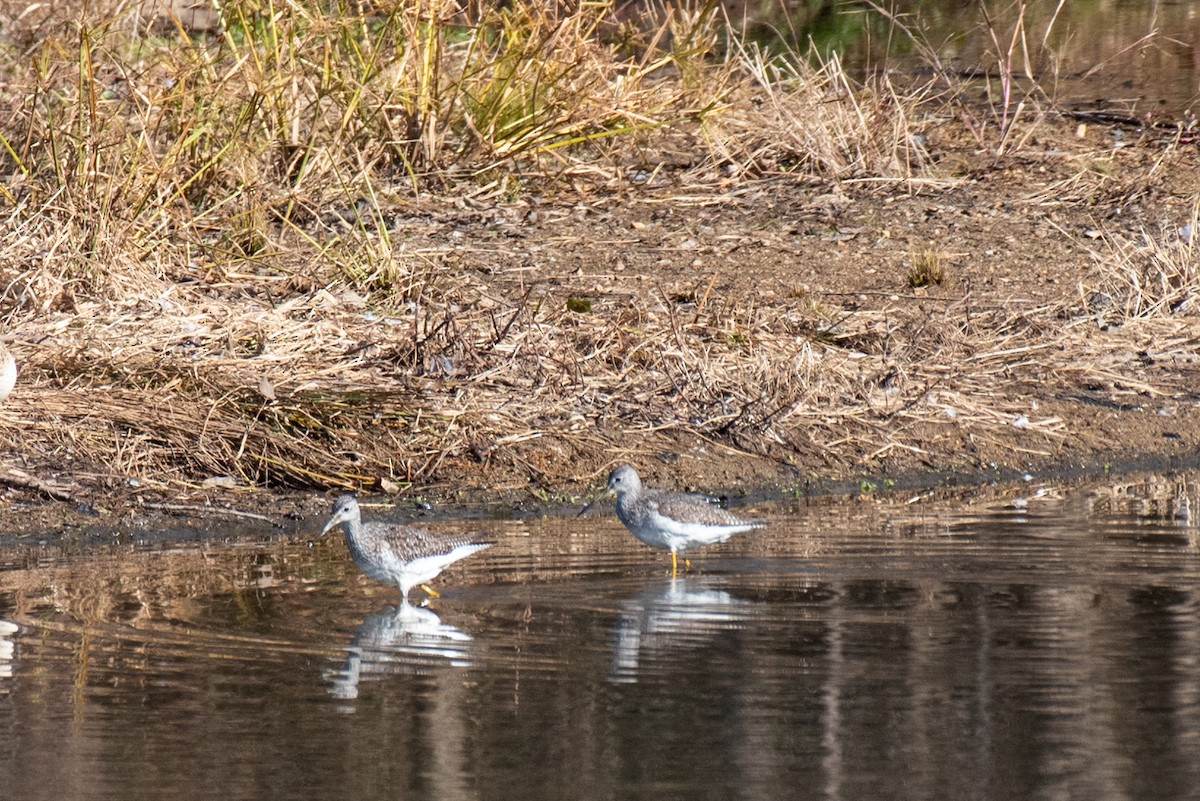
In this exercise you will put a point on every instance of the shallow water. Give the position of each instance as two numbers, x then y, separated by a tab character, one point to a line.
1042	644
1115	55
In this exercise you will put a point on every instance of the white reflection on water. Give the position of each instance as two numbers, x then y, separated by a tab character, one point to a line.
668	616
404	639
7	629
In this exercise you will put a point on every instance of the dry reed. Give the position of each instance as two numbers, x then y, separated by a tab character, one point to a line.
241	255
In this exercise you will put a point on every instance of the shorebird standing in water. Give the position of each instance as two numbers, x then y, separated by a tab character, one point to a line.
671	521
395	553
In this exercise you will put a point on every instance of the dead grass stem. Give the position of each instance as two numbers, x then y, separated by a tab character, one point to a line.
212	266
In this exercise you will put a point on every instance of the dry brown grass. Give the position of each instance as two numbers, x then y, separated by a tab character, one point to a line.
212	269
1154	274
814	120
325	390
204	272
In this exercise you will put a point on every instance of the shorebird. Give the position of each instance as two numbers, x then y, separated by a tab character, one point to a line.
671	521
398	554
8	371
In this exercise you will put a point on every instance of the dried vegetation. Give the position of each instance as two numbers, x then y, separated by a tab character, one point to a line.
248	253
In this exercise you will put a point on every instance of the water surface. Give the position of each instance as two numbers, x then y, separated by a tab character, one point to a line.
1132	56
1037	644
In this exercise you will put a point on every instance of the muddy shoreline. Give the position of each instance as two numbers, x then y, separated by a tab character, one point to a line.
131	515
768	340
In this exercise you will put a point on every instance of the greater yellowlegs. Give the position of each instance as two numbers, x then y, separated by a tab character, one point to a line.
398	554
672	521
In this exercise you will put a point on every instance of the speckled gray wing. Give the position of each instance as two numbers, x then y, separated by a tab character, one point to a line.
690	509
415	543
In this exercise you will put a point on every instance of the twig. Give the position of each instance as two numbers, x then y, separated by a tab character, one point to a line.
21	480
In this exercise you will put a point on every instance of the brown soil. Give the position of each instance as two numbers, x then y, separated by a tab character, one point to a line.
1022	240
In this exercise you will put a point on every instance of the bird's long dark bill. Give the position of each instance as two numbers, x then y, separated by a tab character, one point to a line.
328	526
595	501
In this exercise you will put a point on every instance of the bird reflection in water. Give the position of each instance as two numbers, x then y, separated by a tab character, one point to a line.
7	629
400	640
670	616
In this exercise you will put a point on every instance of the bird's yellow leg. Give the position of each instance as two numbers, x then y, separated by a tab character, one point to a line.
687	563
430	591
674	564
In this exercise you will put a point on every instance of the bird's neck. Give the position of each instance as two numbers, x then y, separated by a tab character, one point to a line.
352	528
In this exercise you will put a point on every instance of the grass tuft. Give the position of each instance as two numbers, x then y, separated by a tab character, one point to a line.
926	269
